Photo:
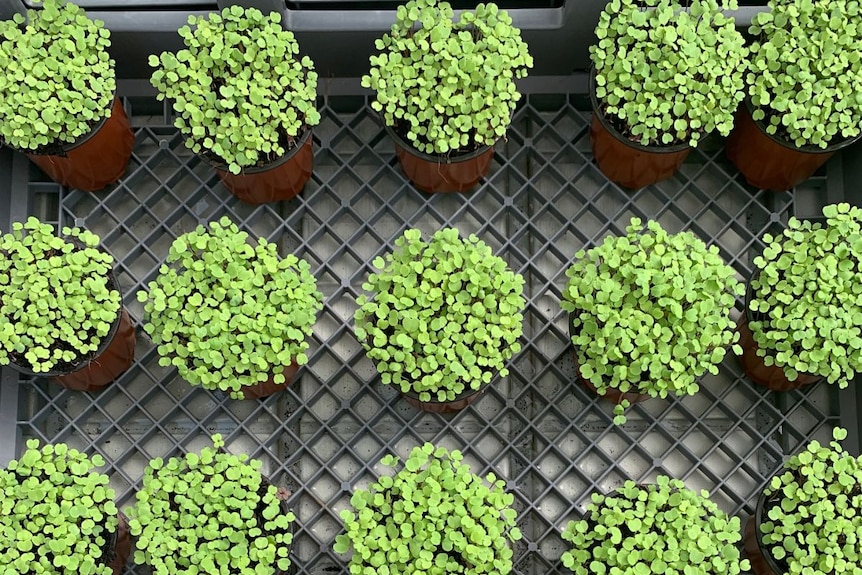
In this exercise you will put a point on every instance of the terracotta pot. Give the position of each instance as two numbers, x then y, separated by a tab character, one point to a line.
269	386
441	173
762	562
628	163
283	179
460	402
770	163
96	160
122	547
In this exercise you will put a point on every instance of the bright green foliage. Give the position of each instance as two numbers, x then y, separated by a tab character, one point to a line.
56	305
444	316
433	517
56	515
228	313
662	528
57	81
806	297
208	512
805	79
449	85
239	87
670	74
813	511
651	311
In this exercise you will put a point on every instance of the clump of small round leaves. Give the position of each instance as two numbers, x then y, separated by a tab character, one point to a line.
658	528
813	511
57	517
443	317
207	512
806	297
447	86
227	313
650	311
240	90
433	517
805	70
669	74
57	82
56	301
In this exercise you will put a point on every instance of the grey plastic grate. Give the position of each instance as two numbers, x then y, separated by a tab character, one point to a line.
552	440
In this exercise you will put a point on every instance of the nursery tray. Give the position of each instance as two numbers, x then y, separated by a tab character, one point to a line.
552	440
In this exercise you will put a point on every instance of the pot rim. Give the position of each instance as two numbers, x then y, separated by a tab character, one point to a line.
758	516
222	166
470	392
808	148
435	159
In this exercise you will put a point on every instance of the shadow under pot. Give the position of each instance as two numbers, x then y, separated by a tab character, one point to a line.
114	356
626	162
443	173
611	394
96	159
461	400
770	376
762	561
771	163
269	387
282	179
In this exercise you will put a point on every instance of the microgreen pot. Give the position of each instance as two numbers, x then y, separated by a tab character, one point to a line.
767	161
762	562
460	402
96	160
279	180
269	387
626	162
441	173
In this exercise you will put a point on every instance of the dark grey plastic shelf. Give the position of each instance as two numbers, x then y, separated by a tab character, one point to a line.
552	440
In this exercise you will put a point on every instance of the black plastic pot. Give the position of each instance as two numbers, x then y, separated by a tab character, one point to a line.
450	173
771	163
630	164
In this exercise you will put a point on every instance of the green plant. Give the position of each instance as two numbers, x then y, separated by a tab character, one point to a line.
668	74
806	297
433	517
57	302
58	80
813	511
650	311
210	512
241	92
227	313
444	316
56	515
446	86
806	71
660	528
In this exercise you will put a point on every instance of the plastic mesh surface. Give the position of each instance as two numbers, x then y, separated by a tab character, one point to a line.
552	440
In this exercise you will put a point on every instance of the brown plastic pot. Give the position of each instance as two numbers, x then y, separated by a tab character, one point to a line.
282	179
119	553
770	163
96	160
268	387
762	562
460	402
630	164
770	376
441	173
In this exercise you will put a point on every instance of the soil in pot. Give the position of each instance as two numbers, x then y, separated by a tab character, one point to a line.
452	173
268	387
281	179
96	160
626	162
768	162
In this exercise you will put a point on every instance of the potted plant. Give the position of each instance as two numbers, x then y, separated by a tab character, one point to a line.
434	515
446	90
665	76
62	313
649	313
245	101
803	315
808	518
57	93
58	515
207	512
657	528
231	315
805	101
443	318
